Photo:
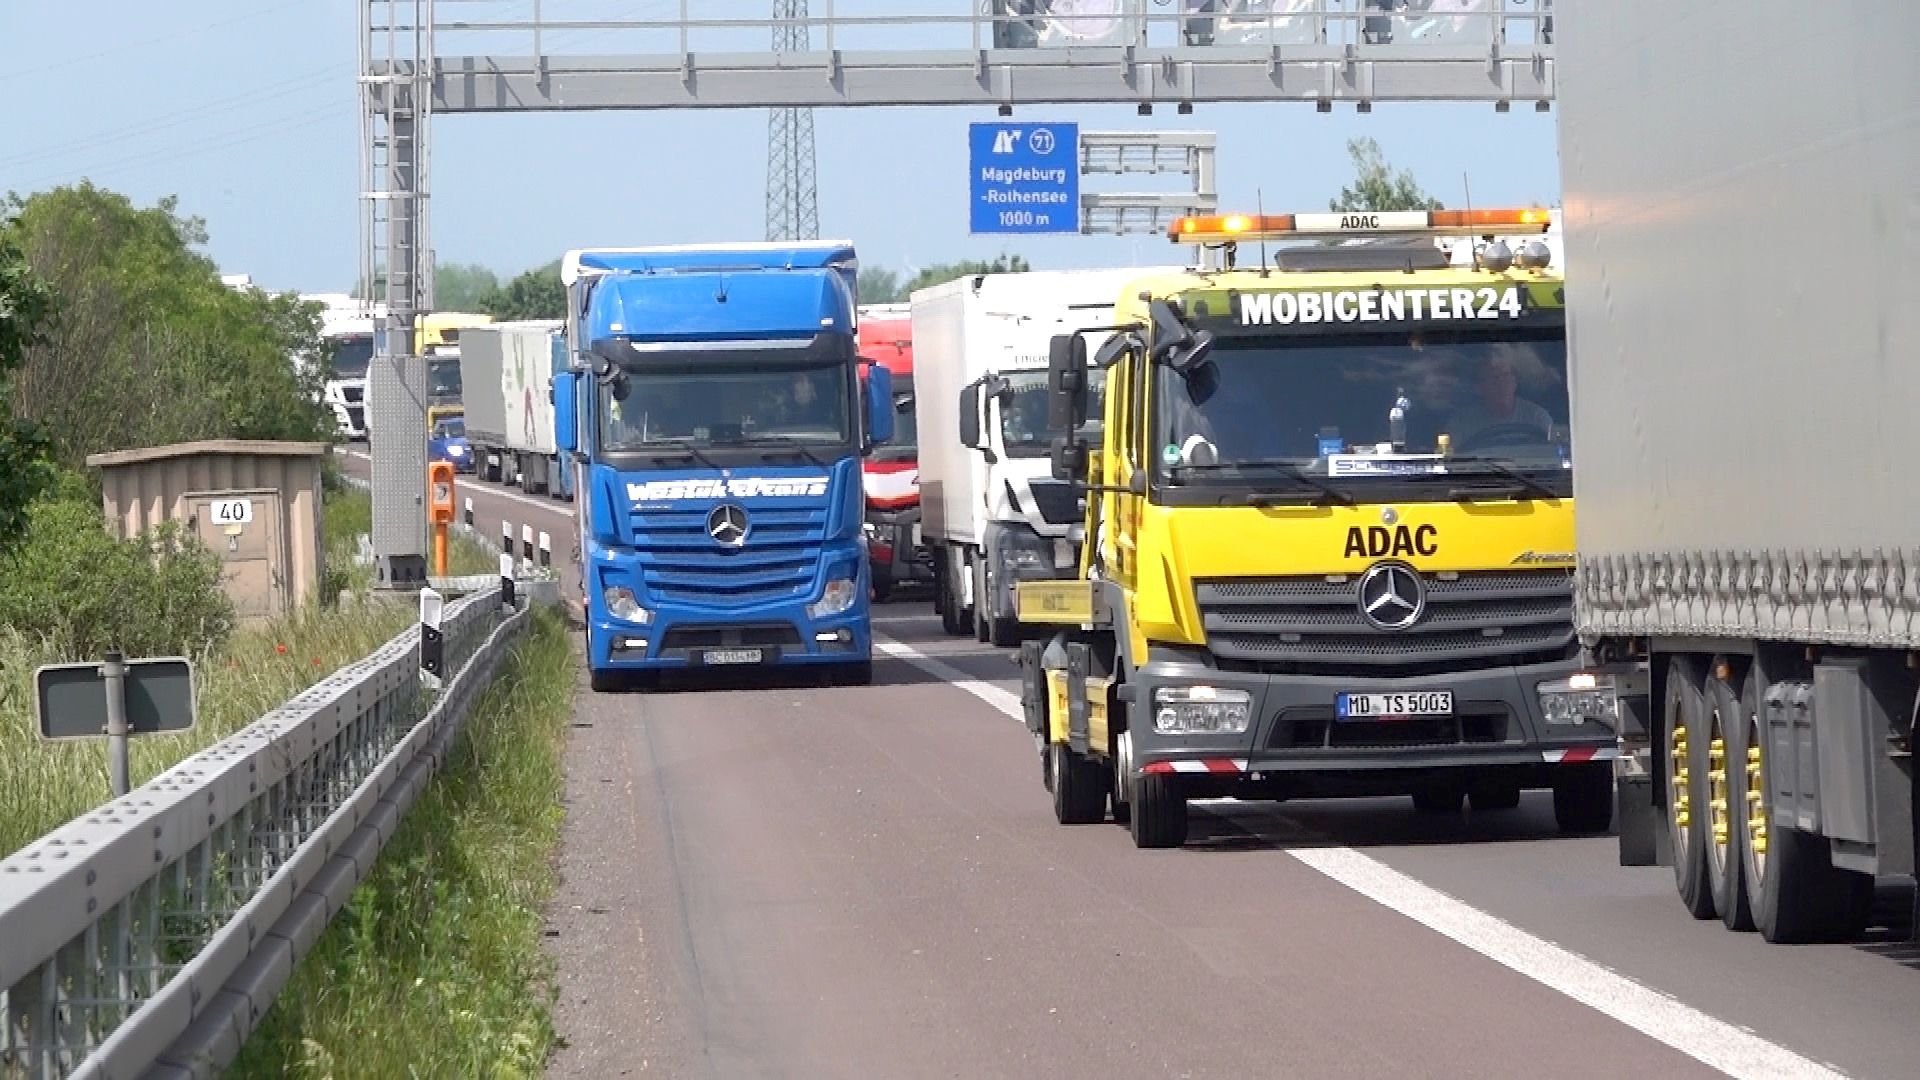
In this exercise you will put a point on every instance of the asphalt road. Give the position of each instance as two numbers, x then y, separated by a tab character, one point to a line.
801	881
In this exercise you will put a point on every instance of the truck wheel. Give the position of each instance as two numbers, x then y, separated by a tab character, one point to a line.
1157	812
1683	741
1796	894
981	631
1079	788
882	587
1726	790
860	674
1583	797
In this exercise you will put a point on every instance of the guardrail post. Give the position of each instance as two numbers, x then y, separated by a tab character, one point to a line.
506	580
468	510
506	537
433	664
114	671
526	546
546	551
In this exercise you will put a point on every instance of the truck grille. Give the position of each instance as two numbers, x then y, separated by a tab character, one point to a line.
682	564
353	395
1475	619
1057	502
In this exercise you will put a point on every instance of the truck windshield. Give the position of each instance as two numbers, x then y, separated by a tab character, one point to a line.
1023	411
731	406
1327	408
443	377
905	442
352	356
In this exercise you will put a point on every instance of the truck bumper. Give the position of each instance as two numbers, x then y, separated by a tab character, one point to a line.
1296	744
780	635
895	547
1017	554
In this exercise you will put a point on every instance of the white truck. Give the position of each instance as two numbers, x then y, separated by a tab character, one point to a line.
346	328
991	511
504	373
1742	334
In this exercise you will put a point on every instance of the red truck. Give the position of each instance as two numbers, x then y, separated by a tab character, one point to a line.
891	476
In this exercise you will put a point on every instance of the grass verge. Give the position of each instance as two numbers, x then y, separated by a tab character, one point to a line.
435	966
44	785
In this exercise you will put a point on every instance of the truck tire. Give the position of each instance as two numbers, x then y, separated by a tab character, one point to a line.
1797	895
1684	752
981	631
1079	787
1583	797
882	587
1157	812
1726	816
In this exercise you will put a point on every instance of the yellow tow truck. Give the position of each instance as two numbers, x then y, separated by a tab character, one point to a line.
1328	538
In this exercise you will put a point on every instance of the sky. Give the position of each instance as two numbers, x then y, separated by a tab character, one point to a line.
247	111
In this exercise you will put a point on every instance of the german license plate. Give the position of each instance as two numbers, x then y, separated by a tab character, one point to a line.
731	656
1417	703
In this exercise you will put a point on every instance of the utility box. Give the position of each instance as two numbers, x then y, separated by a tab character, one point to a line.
254	504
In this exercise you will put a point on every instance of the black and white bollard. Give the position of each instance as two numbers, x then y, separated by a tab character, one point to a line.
506	581
467	511
546	552
526	546
432	647
506	538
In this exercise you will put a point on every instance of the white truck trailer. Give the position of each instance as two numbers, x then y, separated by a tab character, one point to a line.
1742	333
505	370
991	511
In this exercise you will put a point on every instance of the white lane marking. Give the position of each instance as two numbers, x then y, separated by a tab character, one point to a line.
480	487
1727	1047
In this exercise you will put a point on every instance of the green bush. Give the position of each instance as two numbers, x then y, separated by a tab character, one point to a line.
78	590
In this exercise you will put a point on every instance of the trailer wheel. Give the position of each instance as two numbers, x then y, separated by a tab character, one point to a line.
1796	894
1583	797
1727	820
1079	787
1157	812
1683	740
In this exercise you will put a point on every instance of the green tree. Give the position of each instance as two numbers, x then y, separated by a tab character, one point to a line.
879	285
146	345
945	272
26	304
462	286
535	294
1376	186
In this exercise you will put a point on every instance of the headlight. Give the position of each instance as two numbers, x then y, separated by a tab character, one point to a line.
1019	549
623	605
1200	710
456	451
1580	699
838	597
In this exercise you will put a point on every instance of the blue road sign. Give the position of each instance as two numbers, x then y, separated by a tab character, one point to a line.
1024	178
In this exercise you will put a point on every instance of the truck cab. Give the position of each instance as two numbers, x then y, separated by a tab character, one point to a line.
716	421
1330	531
891	475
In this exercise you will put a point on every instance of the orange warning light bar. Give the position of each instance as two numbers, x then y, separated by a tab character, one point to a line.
1219	228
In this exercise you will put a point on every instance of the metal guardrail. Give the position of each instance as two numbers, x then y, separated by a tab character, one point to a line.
149	937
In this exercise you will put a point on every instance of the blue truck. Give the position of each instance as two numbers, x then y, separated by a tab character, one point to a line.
716	421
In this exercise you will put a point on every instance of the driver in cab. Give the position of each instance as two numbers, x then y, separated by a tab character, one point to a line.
1499	404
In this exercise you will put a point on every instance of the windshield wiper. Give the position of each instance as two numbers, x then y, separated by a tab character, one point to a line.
674	448
1495	467
1284	468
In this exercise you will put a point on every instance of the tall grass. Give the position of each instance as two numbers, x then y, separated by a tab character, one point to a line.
435	966
43	785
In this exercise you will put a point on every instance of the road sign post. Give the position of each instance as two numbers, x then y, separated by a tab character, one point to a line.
1023	179
117	699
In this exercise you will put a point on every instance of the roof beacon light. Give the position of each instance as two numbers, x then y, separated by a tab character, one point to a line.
1222	228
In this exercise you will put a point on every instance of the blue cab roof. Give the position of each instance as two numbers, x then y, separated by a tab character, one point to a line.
675	258
719	305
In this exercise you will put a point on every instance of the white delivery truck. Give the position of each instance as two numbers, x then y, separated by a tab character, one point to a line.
504	374
1741	340
991	511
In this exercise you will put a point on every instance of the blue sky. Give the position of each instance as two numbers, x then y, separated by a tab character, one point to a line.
246	110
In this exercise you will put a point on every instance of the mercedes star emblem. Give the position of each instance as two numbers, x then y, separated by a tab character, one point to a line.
1392	596
728	525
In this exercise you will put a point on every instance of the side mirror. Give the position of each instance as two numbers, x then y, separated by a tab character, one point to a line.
1066	382
879	403
566	400
1069	459
970	417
